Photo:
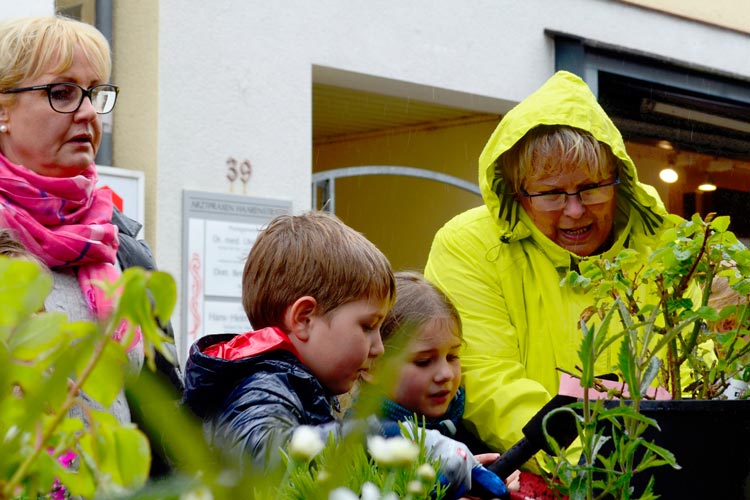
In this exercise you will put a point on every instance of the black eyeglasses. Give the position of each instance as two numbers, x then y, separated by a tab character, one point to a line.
556	200
67	97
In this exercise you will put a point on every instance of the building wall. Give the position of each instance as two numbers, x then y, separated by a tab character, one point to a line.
207	81
235	77
135	135
13	8
401	214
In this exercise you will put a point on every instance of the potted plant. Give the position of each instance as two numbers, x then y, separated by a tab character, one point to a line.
634	445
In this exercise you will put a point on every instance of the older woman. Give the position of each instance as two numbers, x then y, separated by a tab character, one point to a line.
558	186
54	89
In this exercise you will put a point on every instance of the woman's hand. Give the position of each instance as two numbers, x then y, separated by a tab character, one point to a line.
513	482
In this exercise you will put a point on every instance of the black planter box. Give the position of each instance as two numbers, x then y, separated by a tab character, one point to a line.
711	442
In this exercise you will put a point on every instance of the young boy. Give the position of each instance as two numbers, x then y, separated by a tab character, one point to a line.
316	293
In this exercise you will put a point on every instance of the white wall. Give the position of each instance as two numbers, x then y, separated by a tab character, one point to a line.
235	77
13	8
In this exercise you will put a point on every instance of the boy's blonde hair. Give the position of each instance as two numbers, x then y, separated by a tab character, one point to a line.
418	302
551	149
313	254
32	46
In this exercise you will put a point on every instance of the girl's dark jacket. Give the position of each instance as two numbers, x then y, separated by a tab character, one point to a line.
252	391
452	424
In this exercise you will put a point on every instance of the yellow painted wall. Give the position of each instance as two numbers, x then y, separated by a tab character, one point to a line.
401	214
136	66
85	10
732	14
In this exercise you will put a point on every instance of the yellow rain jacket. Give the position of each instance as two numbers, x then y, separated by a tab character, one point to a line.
504	275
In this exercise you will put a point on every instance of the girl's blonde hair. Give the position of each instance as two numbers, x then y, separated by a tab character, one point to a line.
418	302
33	46
552	149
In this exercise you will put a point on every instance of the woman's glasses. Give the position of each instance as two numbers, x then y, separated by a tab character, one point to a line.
67	97
555	200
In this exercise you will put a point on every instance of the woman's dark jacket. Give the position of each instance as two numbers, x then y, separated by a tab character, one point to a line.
133	252
253	395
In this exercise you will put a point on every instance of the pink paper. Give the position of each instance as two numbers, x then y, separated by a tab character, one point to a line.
571	386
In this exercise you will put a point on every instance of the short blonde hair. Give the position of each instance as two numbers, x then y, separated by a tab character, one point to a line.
552	149
32	46
418	303
313	254
11	247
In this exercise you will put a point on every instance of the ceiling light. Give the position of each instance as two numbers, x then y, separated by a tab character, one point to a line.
668	175
708	184
649	105
664	144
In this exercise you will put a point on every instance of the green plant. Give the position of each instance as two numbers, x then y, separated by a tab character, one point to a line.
663	310
45	363
387	468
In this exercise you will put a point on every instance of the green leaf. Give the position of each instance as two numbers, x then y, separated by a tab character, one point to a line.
666	455
627	365
107	378
39	334
164	291
586	355
720	224
649	375
80	481
23	289
129	443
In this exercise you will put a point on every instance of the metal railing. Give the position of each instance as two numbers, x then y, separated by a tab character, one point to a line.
324	183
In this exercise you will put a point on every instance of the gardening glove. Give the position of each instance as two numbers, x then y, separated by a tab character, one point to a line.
459	469
487	484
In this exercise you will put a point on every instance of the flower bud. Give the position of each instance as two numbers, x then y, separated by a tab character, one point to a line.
426	473
392	452
370	492
342	494
415	488
305	444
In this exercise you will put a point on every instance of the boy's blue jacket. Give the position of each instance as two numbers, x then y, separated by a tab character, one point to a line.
252	391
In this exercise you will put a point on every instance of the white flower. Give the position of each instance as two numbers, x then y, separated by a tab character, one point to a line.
426	473
370	491
200	493
342	494
415	487
395	451
305	444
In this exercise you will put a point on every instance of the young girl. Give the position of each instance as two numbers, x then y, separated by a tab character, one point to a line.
421	370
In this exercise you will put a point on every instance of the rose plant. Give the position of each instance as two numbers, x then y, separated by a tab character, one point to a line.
660	314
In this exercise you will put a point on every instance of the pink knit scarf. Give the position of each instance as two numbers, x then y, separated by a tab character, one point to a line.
65	222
